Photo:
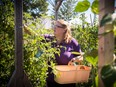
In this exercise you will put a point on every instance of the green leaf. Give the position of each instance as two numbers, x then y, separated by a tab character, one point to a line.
108	74
77	53
82	6
114	30
107	19
93	53
106	32
96	80
92	60
114	84
94	7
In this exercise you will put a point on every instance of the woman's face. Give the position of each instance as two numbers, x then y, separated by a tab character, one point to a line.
58	29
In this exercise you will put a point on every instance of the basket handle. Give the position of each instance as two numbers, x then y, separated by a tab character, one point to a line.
74	62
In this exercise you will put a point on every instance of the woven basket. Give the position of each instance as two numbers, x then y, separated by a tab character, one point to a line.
72	74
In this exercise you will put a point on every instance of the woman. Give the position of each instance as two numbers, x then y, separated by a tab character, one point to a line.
68	44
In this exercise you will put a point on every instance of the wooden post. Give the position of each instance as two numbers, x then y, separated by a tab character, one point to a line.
19	78
106	42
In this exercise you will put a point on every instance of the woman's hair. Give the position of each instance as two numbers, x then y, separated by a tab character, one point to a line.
66	26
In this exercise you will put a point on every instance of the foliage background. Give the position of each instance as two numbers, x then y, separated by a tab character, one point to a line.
86	36
6	41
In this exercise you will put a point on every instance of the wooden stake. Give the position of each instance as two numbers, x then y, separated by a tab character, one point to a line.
19	78
106	42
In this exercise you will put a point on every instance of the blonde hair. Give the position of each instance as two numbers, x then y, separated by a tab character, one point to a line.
66	26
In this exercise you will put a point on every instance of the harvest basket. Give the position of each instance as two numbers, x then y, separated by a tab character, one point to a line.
72	74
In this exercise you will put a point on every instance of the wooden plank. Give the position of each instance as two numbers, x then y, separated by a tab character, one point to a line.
18	37
19	78
16	79
106	42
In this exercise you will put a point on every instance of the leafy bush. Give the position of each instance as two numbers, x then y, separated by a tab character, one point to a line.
35	67
86	35
6	41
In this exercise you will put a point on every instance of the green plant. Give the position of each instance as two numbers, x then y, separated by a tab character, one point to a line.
109	76
84	5
6	41
93	63
34	40
32	65
87	36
